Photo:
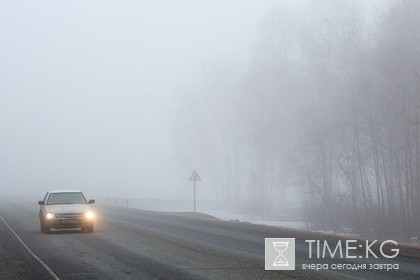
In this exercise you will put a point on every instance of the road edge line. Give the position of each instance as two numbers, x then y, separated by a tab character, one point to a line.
47	268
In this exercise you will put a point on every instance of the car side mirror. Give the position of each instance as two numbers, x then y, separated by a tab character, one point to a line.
41	202
91	201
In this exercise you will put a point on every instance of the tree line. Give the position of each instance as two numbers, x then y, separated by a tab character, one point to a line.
328	106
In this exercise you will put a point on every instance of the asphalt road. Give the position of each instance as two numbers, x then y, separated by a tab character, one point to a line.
135	244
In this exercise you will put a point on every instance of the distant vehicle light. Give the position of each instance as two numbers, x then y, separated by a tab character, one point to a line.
50	216
89	215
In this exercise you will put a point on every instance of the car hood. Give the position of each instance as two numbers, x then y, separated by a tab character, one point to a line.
67	208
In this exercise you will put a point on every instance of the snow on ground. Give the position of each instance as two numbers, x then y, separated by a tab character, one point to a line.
228	215
210	208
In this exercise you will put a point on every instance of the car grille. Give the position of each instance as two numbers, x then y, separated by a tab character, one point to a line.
69	216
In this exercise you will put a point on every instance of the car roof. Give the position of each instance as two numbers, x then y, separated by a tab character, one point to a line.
65	191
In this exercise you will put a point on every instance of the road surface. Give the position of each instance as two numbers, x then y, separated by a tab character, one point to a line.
135	244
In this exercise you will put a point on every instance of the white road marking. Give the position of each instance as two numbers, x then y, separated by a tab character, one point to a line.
47	268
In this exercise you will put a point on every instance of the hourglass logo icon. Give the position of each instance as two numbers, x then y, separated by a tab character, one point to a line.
279	254
280	247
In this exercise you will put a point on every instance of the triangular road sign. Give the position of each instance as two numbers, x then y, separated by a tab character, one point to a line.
194	176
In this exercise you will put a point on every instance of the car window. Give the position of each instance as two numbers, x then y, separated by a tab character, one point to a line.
66	198
45	198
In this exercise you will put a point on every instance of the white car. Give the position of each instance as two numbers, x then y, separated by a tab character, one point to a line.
66	209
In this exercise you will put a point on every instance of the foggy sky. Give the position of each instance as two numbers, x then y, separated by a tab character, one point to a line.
87	89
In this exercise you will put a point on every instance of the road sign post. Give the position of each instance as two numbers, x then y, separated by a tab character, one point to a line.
195	198
195	177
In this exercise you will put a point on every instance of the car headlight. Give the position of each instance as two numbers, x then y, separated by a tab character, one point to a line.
89	215
50	216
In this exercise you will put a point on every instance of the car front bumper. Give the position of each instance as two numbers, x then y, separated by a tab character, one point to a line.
68	223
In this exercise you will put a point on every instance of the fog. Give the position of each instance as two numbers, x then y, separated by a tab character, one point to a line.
87	89
306	111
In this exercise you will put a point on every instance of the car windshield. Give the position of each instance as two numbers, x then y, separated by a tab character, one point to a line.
66	198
